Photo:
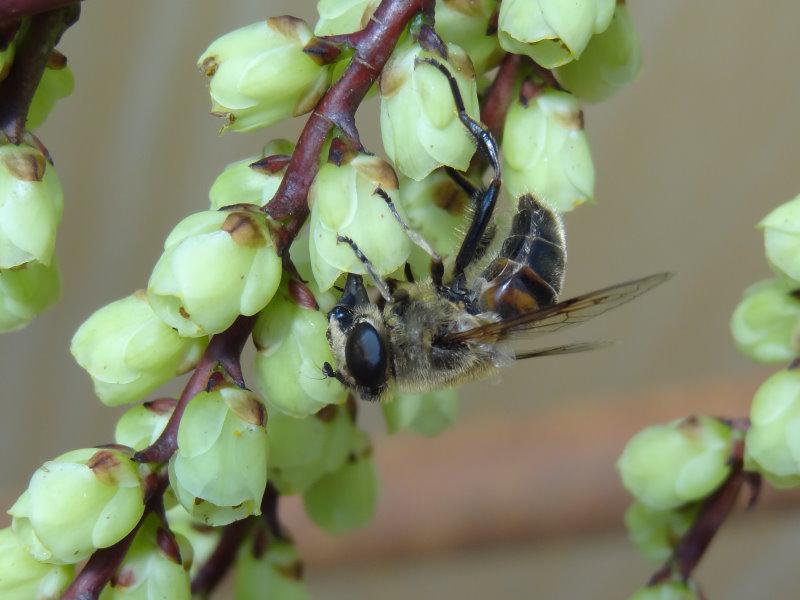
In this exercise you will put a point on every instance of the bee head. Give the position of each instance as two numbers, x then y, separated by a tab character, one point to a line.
359	346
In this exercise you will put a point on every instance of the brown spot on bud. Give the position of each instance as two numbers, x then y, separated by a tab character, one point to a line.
271	164
449	197
209	67
26	164
244	229
247	407
326	414
321	51
291	571
392	79
462	63
103	464
352	408
56	60
168	545
140	294
123	579
570	120
183	312
377	170
161	406
301	295
288	26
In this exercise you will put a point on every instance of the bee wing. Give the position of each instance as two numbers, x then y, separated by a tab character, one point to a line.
564	349
564	313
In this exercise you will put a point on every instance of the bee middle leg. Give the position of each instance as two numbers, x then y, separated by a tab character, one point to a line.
485	199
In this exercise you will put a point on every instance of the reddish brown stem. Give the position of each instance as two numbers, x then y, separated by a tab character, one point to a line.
220	561
33	52
14	9
499	96
223	351
338	106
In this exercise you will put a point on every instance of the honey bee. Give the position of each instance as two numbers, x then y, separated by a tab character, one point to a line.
448	330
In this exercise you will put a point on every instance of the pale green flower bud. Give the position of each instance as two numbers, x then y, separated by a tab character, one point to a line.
219	471
272	572
337	17
782	238
466	24
656	532
216	266
246	182
552	32
420	127
25	292
669	590
81	501
56	83
667	466
129	352
301	450
31	202
292	347
202	538
438	210
426	414
545	151
772	444
260	75
766	324
300	255
344	203
345	499
611	61
24	578
141	425
155	567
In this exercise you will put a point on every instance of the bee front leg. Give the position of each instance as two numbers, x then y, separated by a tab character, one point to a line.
382	286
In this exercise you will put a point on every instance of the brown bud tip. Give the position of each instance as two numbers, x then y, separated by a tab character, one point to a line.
161	406
302	296
168	544
321	51
291	571
271	164
326	414
247	407
26	164
288	26
352	408
103	464
56	60
244	229
123	579
209	67
528	91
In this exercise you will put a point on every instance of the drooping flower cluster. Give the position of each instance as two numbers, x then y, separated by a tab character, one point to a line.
228	268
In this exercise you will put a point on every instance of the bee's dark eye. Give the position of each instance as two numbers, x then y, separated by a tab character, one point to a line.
365	355
342	315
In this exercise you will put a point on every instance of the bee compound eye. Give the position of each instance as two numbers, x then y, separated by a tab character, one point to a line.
365	354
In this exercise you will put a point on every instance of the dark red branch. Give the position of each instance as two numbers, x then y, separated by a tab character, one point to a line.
220	561
14	9
500	95
223	351
373	46
32	54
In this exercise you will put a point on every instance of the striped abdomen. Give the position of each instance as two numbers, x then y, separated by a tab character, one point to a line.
529	271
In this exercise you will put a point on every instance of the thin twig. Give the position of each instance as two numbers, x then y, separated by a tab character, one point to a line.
219	563
17	90
500	95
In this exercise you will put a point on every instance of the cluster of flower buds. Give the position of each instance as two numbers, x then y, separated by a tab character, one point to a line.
232	447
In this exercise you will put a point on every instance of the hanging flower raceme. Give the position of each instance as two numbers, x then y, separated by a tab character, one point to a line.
128	351
259	74
25	292
467	24
292	348
611	60
155	567
545	150
420	127
344	203
338	17
552	32
216	266
253	180
79	502
667	466
31	202
219	471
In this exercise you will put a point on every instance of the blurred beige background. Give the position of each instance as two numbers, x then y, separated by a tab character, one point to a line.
688	159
